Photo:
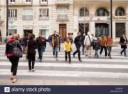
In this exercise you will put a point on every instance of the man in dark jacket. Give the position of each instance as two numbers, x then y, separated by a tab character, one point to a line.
41	45
78	44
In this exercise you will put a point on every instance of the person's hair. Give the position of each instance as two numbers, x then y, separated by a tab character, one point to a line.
31	36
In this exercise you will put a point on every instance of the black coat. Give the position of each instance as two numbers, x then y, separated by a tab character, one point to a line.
32	45
123	42
78	41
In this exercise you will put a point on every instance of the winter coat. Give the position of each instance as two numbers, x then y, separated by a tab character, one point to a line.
109	41
78	41
88	40
96	44
67	47
103	41
55	41
32	46
41	41
11	43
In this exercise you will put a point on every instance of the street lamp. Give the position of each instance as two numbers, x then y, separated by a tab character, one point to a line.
111	27
6	17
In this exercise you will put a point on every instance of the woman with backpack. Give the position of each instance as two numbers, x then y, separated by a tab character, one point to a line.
10	45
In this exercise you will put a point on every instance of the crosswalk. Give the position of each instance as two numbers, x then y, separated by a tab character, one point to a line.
91	71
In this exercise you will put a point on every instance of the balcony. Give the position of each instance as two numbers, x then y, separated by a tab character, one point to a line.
43	17
20	2
62	2
27	17
62	18
43	2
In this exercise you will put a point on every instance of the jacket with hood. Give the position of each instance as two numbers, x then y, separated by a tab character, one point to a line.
11	43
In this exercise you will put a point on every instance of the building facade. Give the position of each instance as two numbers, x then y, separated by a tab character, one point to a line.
64	16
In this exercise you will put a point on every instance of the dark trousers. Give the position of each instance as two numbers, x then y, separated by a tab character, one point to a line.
123	51
83	47
14	61
105	49
77	51
109	48
40	52
68	54
31	61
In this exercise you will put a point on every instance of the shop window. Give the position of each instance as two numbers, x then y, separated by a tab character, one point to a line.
120	29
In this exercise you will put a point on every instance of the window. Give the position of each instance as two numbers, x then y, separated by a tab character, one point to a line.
43	32
120	11
44	0
44	13
27	14
102	12
63	11
12	0
28	0
12	31
84	12
120	29
12	13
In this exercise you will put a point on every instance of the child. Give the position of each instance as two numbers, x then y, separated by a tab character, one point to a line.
67	49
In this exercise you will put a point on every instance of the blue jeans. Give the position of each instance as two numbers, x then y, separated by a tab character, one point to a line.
40	52
96	54
109	48
55	51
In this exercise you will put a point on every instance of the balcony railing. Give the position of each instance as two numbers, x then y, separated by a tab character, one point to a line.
27	17
20	2
43	18
62	2
62	18
43	2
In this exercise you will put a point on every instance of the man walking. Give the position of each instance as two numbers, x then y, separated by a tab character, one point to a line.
78	44
55	43
41	45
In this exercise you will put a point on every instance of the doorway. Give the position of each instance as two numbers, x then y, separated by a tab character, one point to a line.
26	32
62	31
83	26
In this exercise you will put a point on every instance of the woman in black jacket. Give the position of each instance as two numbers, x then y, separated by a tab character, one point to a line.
123	43
31	53
11	43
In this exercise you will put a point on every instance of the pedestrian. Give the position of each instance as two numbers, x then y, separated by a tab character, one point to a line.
31	52
41	45
78	44
10	45
109	46
55	44
88	44
103	44
83	46
96	46
67	49
123	42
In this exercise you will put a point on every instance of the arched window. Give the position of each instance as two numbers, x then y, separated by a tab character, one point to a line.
102	12
84	12
120	11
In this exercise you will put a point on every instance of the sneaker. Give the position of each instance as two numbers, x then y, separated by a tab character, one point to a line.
14	80
80	60
32	70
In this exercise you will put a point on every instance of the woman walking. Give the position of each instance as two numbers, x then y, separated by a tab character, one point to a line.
11	43
123	43
31	53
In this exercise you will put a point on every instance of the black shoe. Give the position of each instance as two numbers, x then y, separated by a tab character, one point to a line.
80	60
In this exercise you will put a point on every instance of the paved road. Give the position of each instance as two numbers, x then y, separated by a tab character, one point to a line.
91	71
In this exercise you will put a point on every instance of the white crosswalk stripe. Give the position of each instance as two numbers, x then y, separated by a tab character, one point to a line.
102	68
